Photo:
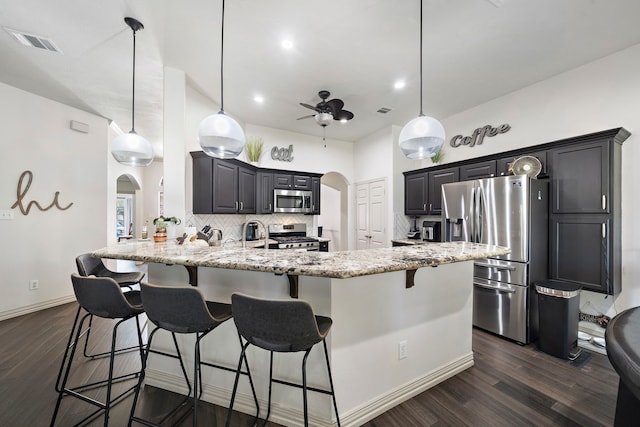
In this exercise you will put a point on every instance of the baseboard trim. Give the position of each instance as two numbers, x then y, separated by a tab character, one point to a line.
293	416
9	314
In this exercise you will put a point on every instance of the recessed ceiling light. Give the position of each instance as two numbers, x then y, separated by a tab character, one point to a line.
286	44
400	84
259	99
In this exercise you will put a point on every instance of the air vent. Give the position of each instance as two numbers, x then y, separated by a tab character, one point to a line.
383	110
33	41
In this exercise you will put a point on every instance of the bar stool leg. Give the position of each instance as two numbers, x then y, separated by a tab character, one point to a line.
333	394
304	387
270	385
70	342
243	357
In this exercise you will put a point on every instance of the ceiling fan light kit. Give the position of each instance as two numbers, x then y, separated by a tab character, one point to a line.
218	134
326	111
423	136
130	148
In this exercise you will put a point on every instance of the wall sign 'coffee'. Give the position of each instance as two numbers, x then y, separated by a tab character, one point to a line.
282	154
478	135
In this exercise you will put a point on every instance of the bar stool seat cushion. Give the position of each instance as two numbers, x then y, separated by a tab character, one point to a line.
102	297
623	347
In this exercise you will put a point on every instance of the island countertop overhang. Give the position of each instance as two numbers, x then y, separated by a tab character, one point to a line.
337	265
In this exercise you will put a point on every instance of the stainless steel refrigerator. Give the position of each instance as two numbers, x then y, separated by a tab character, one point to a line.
508	211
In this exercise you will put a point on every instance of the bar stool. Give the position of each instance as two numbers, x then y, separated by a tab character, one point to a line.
182	310
90	266
283	326
102	297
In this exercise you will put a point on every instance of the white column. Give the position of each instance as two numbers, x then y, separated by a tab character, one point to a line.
174	143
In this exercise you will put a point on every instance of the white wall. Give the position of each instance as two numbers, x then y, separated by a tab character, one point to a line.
43	245
601	95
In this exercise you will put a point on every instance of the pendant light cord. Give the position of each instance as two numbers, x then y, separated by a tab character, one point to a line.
133	96
222	63
421	113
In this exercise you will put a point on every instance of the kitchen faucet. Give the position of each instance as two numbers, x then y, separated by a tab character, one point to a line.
244	233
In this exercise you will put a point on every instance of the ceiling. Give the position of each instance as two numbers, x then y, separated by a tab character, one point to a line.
474	51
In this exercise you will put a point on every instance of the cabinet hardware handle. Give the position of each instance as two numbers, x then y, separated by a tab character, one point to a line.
430	207
236	205
424	207
269	207
604	201
241	205
604	230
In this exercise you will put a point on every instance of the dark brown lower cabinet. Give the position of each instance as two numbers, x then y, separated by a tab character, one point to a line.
581	252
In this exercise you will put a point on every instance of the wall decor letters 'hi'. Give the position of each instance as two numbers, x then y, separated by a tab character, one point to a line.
22	193
283	154
478	135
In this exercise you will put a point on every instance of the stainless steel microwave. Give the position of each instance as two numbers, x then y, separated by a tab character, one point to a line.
291	201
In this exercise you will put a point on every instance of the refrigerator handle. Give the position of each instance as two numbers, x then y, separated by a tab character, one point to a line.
480	214
472	215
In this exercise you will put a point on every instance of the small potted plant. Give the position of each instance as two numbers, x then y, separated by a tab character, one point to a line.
161	227
253	149
437	157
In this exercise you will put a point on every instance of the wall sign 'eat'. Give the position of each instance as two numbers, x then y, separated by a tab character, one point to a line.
478	135
22	193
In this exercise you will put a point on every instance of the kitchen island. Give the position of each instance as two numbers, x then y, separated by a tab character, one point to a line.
399	327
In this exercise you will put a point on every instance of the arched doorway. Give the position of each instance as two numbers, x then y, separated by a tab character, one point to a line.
334	216
127	188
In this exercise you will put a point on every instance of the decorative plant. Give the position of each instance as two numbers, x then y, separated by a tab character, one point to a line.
253	149
161	221
438	157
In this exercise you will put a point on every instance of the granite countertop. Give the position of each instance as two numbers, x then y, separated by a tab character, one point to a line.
341	265
411	241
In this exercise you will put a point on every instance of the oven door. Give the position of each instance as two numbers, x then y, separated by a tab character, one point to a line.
291	201
500	308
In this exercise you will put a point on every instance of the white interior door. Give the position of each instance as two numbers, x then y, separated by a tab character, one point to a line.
362	216
371	214
377	214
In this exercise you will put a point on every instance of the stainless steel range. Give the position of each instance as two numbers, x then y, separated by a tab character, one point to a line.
292	236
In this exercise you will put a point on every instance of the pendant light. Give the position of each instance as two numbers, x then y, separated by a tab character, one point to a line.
219	135
130	148
423	136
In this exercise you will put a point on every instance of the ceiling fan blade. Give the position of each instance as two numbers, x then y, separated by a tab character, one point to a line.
311	107
343	115
305	117
335	105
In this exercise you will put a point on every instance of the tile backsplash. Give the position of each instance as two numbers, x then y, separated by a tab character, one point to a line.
231	225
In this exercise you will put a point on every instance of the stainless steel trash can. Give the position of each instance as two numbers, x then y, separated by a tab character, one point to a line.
559	312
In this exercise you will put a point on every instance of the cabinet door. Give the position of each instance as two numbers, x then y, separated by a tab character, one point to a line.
225	187
264	193
415	194
301	182
580	250
436	179
315	195
246	191
283	181
478	170
580	181
202	185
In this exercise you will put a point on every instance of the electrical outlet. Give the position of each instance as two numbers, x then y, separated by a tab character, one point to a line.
6	214
402	350
33	284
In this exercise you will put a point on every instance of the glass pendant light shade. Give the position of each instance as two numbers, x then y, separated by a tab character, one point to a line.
218	134
221	136
132	149
421	138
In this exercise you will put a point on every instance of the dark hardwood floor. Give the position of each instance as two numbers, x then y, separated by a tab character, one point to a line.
510	385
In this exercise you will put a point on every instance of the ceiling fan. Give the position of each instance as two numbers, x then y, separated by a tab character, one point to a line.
327	110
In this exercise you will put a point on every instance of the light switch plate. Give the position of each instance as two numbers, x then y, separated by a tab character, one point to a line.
6	214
